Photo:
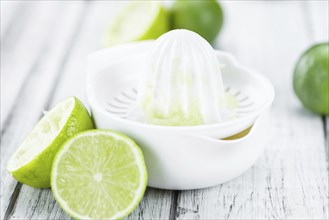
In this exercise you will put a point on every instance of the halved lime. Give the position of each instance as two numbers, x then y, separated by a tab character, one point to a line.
139	20
99	174
31	163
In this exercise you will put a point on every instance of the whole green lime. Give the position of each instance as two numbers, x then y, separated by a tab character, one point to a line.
311	78
203	17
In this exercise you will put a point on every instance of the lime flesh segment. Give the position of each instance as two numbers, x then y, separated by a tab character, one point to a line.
138	21
31	163
99	174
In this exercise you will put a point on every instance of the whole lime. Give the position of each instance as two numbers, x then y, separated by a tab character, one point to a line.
311	78
203	17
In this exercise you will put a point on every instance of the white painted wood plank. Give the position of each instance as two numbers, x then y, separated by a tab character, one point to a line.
156	204
9	10
318	13
318	16
38	87
40	204
91	39
290	180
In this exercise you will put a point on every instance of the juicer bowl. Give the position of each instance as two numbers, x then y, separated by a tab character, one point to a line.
182	157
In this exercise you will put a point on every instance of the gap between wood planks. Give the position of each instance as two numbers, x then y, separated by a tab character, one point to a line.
310	34
8	120
13	199
325	121
173	207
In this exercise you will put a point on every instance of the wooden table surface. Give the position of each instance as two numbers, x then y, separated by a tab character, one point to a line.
44	46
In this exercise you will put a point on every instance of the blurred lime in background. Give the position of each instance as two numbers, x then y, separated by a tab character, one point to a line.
138	20
203	17
311	78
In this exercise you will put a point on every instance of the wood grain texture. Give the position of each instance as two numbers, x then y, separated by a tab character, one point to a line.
10	12
156	204
43	59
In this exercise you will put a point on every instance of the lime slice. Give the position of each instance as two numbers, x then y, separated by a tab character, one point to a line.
139	20
31	163
99	174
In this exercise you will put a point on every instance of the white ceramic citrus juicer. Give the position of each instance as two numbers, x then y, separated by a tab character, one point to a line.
180	100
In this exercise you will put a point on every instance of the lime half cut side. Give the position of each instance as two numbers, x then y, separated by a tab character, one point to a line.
99	174
138	20
31	163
